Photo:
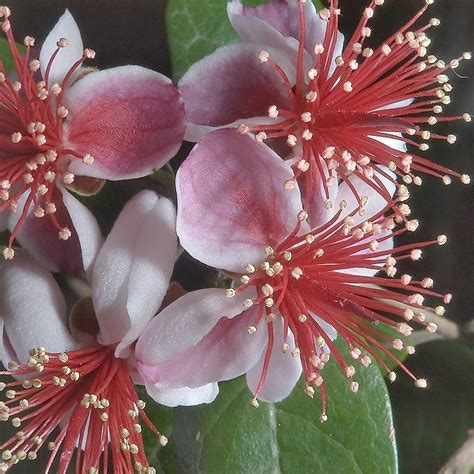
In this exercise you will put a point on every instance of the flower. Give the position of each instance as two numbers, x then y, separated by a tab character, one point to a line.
63	122
300	285
343	111
80	381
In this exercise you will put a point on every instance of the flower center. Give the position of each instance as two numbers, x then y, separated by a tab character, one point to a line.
34	157
89	397
345	108
314	283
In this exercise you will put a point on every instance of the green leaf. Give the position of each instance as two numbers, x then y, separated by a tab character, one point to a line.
432	424
231	436
197	28
5	54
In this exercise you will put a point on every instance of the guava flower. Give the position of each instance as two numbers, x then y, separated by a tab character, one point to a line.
343	111
62	122
301	285
80	382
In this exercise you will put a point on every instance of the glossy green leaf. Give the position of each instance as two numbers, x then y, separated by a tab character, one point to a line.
196	28
432	424
5	54
231	436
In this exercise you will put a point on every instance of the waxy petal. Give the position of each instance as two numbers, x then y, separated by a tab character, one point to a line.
283	373
226	352
32	309
133	269
231	86
39	236
183	396
231	201
129	118
67	28
186	322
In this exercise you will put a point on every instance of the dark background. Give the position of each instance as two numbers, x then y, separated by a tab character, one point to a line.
133	31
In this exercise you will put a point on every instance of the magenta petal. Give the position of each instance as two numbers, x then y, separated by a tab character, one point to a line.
130	119
231	85
226	352
231	200
39	236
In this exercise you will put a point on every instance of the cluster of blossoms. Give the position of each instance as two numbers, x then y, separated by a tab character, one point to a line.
295	190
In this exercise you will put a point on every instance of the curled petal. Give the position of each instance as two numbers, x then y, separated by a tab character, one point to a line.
173	397
133	268
231	200
32	309
129	118
67	28
226	352
186	322
283	373
230	86
39	236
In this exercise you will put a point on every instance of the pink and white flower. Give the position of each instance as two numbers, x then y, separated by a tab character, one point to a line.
343	111
61	122
300	285
81	381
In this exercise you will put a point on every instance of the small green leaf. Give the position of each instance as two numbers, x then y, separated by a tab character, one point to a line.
197	28
6	56
432	424
231	436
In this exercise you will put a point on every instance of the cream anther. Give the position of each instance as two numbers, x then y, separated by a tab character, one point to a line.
62	111
465	179
263	56
421	383
62	43
89	53
243	129
311	96
318	48
261	137
8	253
347	86
291	141
307	135
68	178
16	137
248	303
230	293
251	329
441	239
64	233
312	74
273	111
296	273
88	159
306	117
369	12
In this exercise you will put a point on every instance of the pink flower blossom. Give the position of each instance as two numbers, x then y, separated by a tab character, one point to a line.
343	111
81	381
60	122
301	285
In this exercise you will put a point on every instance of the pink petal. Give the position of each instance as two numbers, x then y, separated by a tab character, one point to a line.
186	322
230	86
276	24
283	373
231	200
226	352
376	202
133	269
66	27
173	397
39	236
130	119
32	309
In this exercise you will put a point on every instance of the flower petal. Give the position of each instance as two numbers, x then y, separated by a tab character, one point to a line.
226	352
39	236
185	322
66	27
133	268
32	309
231	200
283	372
231	85
129	118
183	396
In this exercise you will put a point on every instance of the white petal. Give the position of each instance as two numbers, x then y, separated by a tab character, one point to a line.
32	308
66	27
283	373
184	396
185	322
133	269
86	227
